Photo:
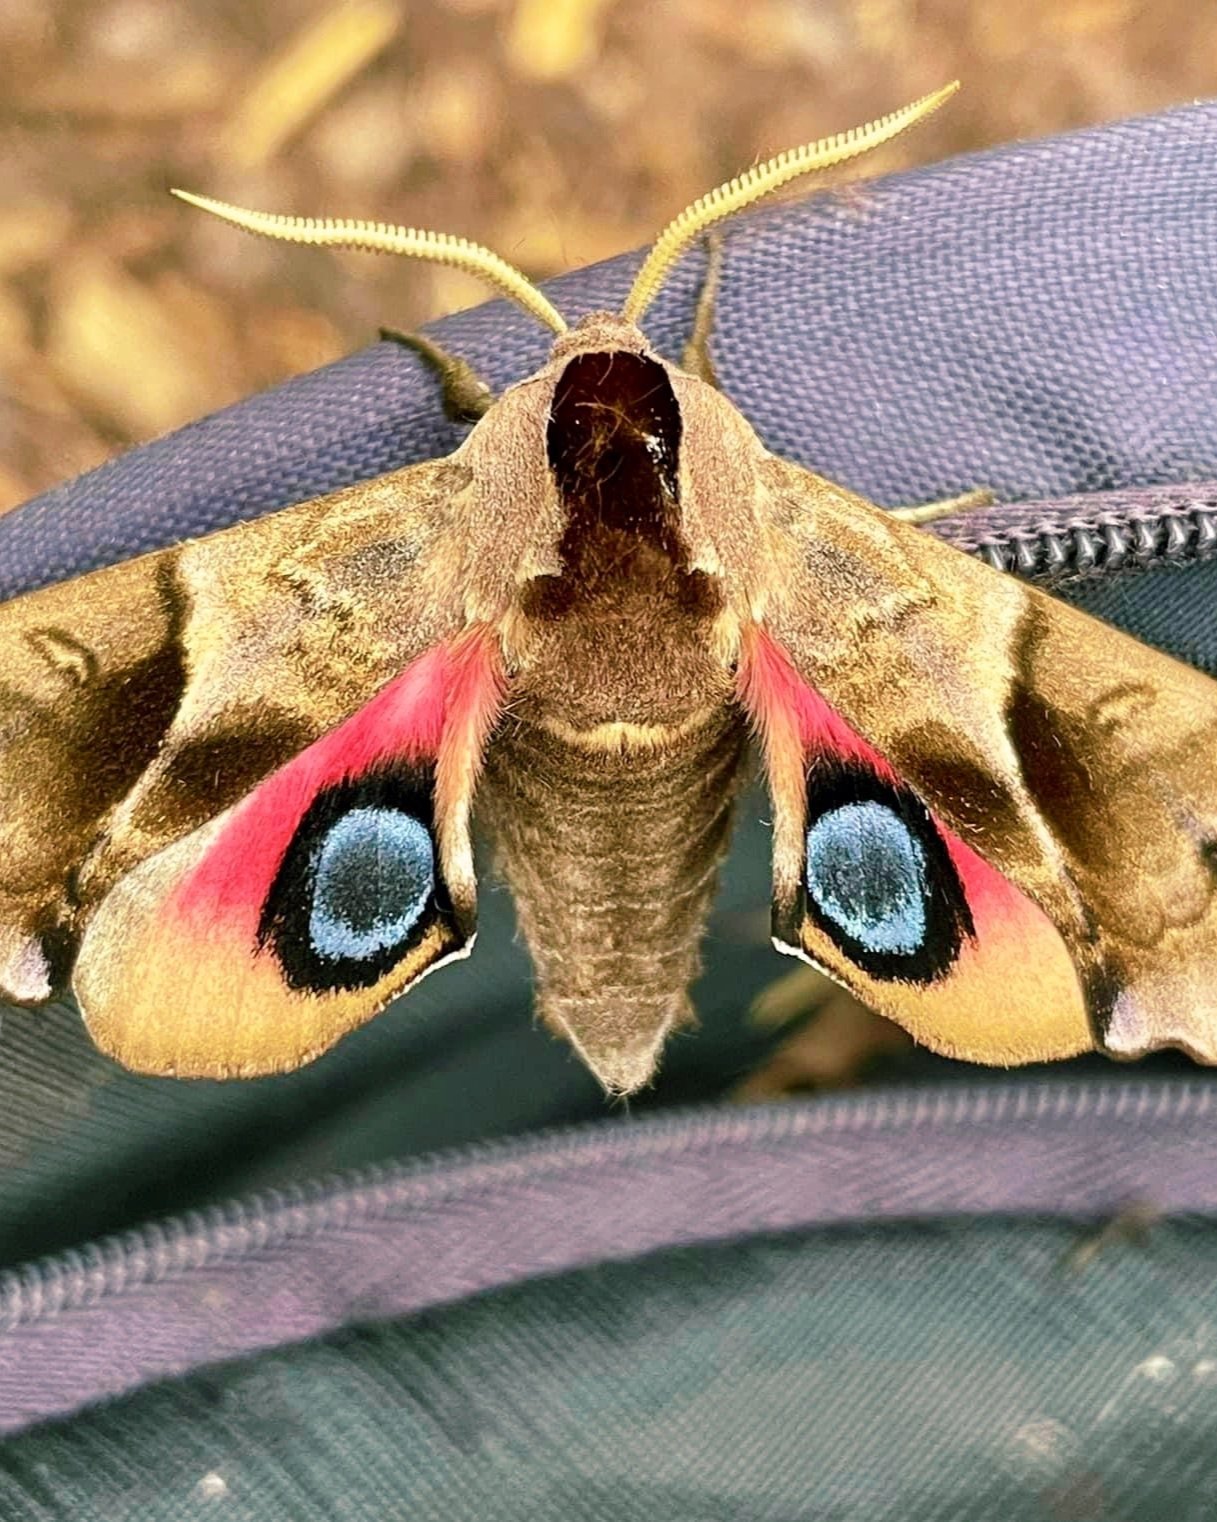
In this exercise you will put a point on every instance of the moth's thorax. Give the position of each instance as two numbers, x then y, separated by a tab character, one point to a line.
601	332
624	633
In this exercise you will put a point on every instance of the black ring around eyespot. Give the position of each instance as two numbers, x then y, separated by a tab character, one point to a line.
907	922
360	884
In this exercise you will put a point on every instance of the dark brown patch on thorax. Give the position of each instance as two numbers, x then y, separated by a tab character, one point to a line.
613	443
623	633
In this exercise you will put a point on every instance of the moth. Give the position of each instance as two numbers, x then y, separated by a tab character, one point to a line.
238	774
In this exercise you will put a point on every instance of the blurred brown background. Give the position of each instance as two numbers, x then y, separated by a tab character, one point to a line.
557	131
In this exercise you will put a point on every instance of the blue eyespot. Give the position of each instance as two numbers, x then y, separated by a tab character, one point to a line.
866	872
373	874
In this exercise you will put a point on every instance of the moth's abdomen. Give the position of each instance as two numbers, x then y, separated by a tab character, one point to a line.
612	855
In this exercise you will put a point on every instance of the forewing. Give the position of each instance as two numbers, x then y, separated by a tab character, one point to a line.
996	816
172	729
256	941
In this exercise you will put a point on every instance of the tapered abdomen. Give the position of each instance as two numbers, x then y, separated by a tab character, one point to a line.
613	857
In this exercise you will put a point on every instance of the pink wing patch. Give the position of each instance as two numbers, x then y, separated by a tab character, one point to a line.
793	717
256	942
438	694
875	888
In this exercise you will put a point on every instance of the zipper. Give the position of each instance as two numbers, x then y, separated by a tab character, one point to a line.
228	1230
397	1240
1092	536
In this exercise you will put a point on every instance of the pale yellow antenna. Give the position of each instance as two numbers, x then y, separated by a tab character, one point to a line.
760	181
382	238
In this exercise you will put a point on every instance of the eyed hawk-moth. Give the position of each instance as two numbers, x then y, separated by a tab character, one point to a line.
238	775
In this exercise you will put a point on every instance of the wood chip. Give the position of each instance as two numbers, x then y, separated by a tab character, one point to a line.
143	361
553	39
299	81
31	232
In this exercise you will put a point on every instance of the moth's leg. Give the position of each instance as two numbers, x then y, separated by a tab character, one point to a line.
466	396
835	1040
948	507
695	357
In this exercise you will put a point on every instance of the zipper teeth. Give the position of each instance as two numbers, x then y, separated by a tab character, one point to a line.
230	1230
1105	545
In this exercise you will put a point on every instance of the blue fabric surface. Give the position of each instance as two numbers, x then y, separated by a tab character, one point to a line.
936	1373
284	1266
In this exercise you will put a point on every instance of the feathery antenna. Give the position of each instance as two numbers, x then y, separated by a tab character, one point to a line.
382	238
474	259
762	180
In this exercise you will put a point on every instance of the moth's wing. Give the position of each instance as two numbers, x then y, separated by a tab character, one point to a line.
996	817
217	768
